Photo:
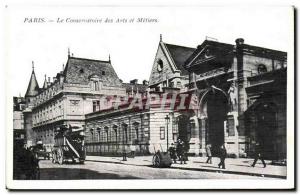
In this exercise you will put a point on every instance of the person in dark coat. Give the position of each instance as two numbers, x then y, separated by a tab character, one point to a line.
208	153
180	151
258	155
172	151
222	155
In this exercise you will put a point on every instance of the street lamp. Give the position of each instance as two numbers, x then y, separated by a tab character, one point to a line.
124	149
167	121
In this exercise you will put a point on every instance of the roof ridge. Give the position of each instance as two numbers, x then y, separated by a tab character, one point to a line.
89	59
179	45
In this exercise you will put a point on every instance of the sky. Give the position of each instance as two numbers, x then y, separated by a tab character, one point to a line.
132	46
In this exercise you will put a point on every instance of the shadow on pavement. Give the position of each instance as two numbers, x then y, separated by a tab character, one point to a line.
74	174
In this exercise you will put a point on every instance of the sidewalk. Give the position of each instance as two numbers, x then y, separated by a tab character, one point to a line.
240	166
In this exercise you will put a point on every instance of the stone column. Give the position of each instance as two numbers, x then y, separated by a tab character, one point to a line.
202	130
195	138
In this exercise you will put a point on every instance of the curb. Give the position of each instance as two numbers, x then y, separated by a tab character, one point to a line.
202	169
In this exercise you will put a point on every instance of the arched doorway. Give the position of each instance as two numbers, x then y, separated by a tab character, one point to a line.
266	128
216	107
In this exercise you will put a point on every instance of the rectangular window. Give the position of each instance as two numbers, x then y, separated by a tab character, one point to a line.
230	126
162	133
96	84
96	105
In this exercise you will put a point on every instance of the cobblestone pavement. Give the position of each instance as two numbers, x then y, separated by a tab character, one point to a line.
102	170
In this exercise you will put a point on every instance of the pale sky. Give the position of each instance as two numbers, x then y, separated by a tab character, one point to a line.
132	46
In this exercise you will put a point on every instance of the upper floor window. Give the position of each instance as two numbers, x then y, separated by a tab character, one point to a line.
96	85
96	105
160	65
178	84
261	68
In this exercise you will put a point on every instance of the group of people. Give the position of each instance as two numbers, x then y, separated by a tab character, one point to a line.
179	151
222	154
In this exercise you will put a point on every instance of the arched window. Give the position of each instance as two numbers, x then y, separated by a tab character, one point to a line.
92	134
99	134
136	130
261	69
115	128
106	132
125	134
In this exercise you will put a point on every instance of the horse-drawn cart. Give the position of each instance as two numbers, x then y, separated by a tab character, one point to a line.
69	145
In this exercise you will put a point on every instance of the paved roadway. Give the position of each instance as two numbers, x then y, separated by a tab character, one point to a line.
99	170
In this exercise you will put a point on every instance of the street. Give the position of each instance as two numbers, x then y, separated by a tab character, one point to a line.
100	170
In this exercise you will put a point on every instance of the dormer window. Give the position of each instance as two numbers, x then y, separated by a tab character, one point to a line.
103	72
81	71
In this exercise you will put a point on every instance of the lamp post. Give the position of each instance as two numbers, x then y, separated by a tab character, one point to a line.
124	149
167	121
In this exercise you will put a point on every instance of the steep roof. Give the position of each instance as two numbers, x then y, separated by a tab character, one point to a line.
180	54
33	86
79	70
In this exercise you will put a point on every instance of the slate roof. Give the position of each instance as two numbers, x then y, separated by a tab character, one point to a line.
180	54
33	86
128	86
79	71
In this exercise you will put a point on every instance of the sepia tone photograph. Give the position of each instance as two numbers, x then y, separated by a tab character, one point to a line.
150	97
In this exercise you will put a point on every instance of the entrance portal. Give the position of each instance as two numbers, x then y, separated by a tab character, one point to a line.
266	130
216	115
184	129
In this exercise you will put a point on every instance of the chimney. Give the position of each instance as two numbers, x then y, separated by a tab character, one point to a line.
54	79
49	82
239	41
145	82
134	82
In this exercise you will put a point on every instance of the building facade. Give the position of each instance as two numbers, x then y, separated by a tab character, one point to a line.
242	97
237	93
74	92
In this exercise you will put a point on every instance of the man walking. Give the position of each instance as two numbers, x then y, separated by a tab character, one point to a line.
258	155
222	155
208	153
180	151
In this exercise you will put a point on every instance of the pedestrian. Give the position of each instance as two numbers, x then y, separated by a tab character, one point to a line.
222	155
172	152
258	155
180	151
208	153
132	150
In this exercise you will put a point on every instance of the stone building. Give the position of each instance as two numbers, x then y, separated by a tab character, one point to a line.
73	92
151	127
237	93
241	91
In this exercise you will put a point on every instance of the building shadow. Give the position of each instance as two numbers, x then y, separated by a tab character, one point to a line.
76	174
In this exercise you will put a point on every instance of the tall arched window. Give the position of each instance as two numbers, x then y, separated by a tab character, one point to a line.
136	130
92	134
115	128
99	134
125	134
106	133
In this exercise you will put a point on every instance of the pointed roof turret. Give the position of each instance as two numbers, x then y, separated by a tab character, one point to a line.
45	82
33	86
